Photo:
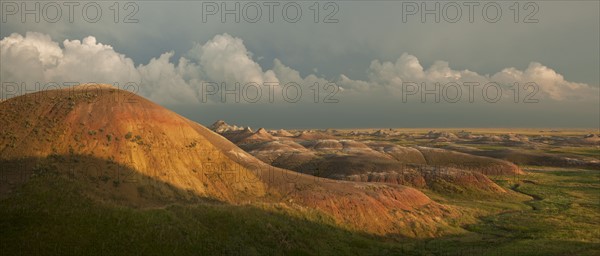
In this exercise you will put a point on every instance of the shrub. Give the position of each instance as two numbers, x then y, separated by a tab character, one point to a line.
142	190
105	178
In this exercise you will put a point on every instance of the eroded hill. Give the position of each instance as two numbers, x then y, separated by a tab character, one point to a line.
125	146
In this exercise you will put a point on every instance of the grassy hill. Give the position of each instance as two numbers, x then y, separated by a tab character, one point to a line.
52	215
94	176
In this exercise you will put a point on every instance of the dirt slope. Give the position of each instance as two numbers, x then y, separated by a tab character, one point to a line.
158	144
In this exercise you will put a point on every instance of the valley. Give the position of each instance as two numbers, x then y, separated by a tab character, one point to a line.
81	173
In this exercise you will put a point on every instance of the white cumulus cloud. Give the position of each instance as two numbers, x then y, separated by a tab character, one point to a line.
35	57
389	77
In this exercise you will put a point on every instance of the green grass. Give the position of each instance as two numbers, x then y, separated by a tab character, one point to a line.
50	215
582	151
563	218
488	147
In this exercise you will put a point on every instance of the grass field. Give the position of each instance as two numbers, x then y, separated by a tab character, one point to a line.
562	217
38	222
557	214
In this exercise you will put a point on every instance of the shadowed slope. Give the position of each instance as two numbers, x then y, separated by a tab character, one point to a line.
113	125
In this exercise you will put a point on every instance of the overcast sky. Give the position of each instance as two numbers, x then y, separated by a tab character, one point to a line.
378	55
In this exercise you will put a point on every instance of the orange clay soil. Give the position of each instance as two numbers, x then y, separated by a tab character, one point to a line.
102	122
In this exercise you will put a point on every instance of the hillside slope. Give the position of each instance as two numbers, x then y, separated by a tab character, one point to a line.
127	145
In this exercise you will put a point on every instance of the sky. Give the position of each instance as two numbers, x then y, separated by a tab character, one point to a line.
337	64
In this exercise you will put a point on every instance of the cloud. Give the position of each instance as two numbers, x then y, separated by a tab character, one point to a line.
552	85
35	57
226	59
26	58
388	77
167	83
